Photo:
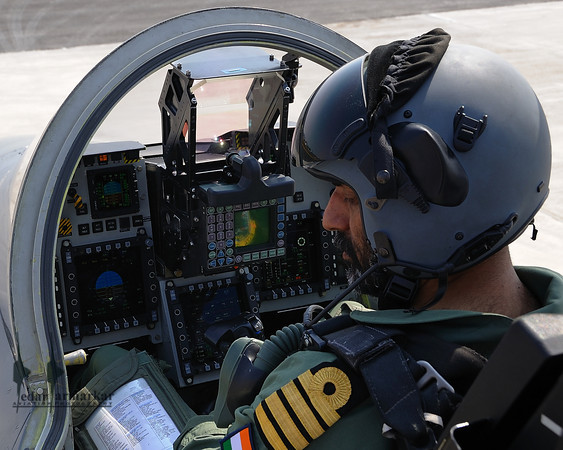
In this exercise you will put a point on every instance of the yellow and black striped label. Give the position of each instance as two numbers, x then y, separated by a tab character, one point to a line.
65	227
77	201
303	409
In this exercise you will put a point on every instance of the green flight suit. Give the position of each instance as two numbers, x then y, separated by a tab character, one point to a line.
362	426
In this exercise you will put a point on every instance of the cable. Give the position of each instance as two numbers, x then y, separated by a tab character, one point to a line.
338	299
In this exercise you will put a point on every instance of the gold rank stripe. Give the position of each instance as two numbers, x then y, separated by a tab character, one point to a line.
311	384
283	421
303	409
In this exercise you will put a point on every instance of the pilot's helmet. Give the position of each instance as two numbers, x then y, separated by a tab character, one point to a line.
446	145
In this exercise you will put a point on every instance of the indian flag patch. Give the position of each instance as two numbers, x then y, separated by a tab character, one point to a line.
239	440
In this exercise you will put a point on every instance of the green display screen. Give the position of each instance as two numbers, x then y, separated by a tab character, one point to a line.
252	227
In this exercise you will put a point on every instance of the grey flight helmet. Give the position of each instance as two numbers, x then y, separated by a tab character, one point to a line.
447	147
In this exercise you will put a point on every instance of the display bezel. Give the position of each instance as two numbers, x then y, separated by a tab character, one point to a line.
124	262
222	253
100	208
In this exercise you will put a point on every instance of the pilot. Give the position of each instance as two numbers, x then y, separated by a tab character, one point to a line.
440	157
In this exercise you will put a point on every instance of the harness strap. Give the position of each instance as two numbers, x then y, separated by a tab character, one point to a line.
409	395
371	351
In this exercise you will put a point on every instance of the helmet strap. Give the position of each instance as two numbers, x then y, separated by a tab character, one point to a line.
442	286
398	293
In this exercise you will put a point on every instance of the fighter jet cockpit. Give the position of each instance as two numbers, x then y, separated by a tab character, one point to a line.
159	210
182	247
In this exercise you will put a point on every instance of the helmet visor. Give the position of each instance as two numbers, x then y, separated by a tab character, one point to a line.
333	118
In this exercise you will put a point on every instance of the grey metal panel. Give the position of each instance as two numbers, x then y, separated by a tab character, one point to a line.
12	418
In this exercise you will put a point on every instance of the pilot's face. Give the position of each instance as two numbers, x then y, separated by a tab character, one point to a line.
343	215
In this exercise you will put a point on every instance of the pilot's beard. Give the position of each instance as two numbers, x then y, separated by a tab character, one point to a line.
359	262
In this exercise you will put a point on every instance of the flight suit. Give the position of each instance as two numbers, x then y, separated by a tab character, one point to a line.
361	426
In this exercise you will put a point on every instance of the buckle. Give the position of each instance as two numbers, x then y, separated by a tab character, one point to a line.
430	375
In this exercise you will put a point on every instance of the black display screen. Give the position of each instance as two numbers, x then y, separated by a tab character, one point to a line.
113	191
208	315
212	306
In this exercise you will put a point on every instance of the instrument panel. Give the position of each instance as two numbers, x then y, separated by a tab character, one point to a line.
106	264
184	246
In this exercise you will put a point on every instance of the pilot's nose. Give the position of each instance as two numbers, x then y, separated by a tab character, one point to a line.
336	214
